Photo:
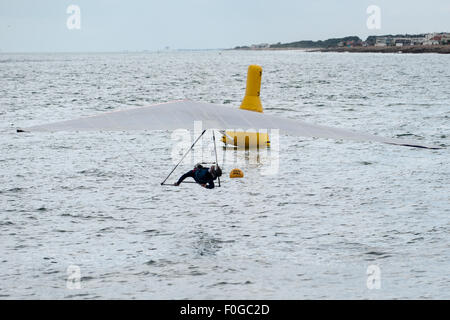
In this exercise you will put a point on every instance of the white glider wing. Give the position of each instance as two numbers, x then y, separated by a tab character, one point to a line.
182	114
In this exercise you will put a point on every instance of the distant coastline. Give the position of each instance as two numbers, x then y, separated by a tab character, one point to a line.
443	49
420	43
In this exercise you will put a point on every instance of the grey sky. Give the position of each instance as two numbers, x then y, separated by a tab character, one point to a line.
113	25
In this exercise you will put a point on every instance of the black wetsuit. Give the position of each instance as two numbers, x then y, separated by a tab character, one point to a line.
201	176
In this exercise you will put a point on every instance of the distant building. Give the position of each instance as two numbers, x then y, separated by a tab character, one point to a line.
381	42
430	42
428	36
437	38
260	46
399	42
418	41
390	41
445	38
402	40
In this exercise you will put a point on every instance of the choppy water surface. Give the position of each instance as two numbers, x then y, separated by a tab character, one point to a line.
93	199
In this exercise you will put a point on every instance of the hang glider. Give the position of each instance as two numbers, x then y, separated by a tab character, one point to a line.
183	114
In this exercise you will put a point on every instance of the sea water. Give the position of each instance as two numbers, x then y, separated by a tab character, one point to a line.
83	215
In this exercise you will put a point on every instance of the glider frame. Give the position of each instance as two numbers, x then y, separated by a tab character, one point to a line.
184	156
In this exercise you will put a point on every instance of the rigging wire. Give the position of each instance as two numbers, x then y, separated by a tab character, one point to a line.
187	152
215	152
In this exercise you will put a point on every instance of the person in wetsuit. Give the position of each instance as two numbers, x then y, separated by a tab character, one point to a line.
203	176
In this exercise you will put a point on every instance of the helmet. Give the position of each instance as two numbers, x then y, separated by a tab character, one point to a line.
215	171
198	166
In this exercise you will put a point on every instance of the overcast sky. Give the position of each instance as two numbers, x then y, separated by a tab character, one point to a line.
113	25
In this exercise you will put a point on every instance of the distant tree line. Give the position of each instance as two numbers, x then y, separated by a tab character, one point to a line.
316	44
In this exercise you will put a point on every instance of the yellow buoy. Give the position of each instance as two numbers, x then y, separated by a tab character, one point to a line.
236	173
247	140
251	102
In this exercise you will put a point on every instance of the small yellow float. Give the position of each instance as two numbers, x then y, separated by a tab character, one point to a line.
236	173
